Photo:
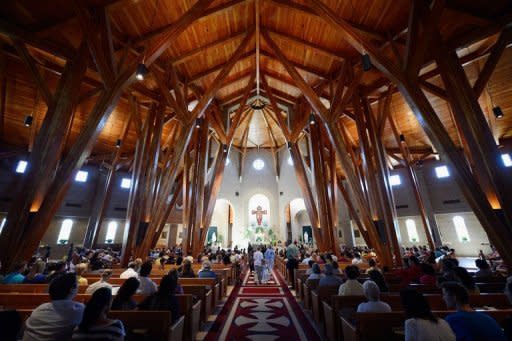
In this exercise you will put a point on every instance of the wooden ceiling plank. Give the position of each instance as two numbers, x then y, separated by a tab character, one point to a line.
322	50
307	10
200	75
185	57
207	12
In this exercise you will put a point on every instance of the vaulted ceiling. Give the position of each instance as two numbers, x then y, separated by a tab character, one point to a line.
52	31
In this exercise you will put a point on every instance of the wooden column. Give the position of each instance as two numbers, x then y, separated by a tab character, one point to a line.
411	174
498	230
42	162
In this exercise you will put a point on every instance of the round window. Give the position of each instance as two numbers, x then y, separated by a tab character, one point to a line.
258	164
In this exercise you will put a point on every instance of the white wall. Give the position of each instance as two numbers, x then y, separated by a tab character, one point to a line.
477	234
220	219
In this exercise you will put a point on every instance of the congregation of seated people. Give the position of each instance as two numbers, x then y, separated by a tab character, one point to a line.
440	268
63	318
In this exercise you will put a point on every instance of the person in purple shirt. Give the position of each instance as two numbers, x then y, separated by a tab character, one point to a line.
468	324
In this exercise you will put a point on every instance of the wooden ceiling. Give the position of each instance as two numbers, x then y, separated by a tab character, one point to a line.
318	51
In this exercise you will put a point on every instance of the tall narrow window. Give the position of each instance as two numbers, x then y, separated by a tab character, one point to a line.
65	231
442	172
507	161
394	180
81	176
111	232
412	231
2	224
21	166
461	229
126	183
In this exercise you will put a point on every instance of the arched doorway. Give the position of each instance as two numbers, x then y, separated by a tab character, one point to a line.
220	231
298	222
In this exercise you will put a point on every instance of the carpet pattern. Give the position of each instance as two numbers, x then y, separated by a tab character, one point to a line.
262	312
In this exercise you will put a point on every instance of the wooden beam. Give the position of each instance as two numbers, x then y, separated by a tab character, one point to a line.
212	11
307	191
492	61
3	92
307	10
310	45
434	89
31	65
186	56
200	75
42	162
212	190
238	115
226	69
282	123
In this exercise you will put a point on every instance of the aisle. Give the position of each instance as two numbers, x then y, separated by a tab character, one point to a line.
262	312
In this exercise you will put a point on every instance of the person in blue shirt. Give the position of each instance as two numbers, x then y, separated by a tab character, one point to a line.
16	277
206	271
468	324
270	256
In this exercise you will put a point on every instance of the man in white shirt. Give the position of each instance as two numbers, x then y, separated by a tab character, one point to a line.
147	286
102	283
130	272
57	319
258	264
307	259
351	287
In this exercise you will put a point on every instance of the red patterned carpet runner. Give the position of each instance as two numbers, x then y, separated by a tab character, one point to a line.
262	312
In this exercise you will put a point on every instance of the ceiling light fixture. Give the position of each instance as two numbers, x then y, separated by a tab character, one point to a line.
198	123
258	106
367	63
498	113
142	71
28	120
311	119
118	143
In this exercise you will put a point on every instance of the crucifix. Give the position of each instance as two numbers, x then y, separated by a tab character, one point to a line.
259	212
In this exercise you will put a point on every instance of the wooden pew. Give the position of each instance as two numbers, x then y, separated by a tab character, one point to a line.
30	301
207	282
156	325
381	326
205	297
318	296
307	287
347	306
31	288
191	312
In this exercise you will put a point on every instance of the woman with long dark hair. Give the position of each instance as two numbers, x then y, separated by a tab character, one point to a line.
164	298
124	298
95	323
422	324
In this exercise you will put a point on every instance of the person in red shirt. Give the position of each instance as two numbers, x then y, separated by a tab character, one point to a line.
429	275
